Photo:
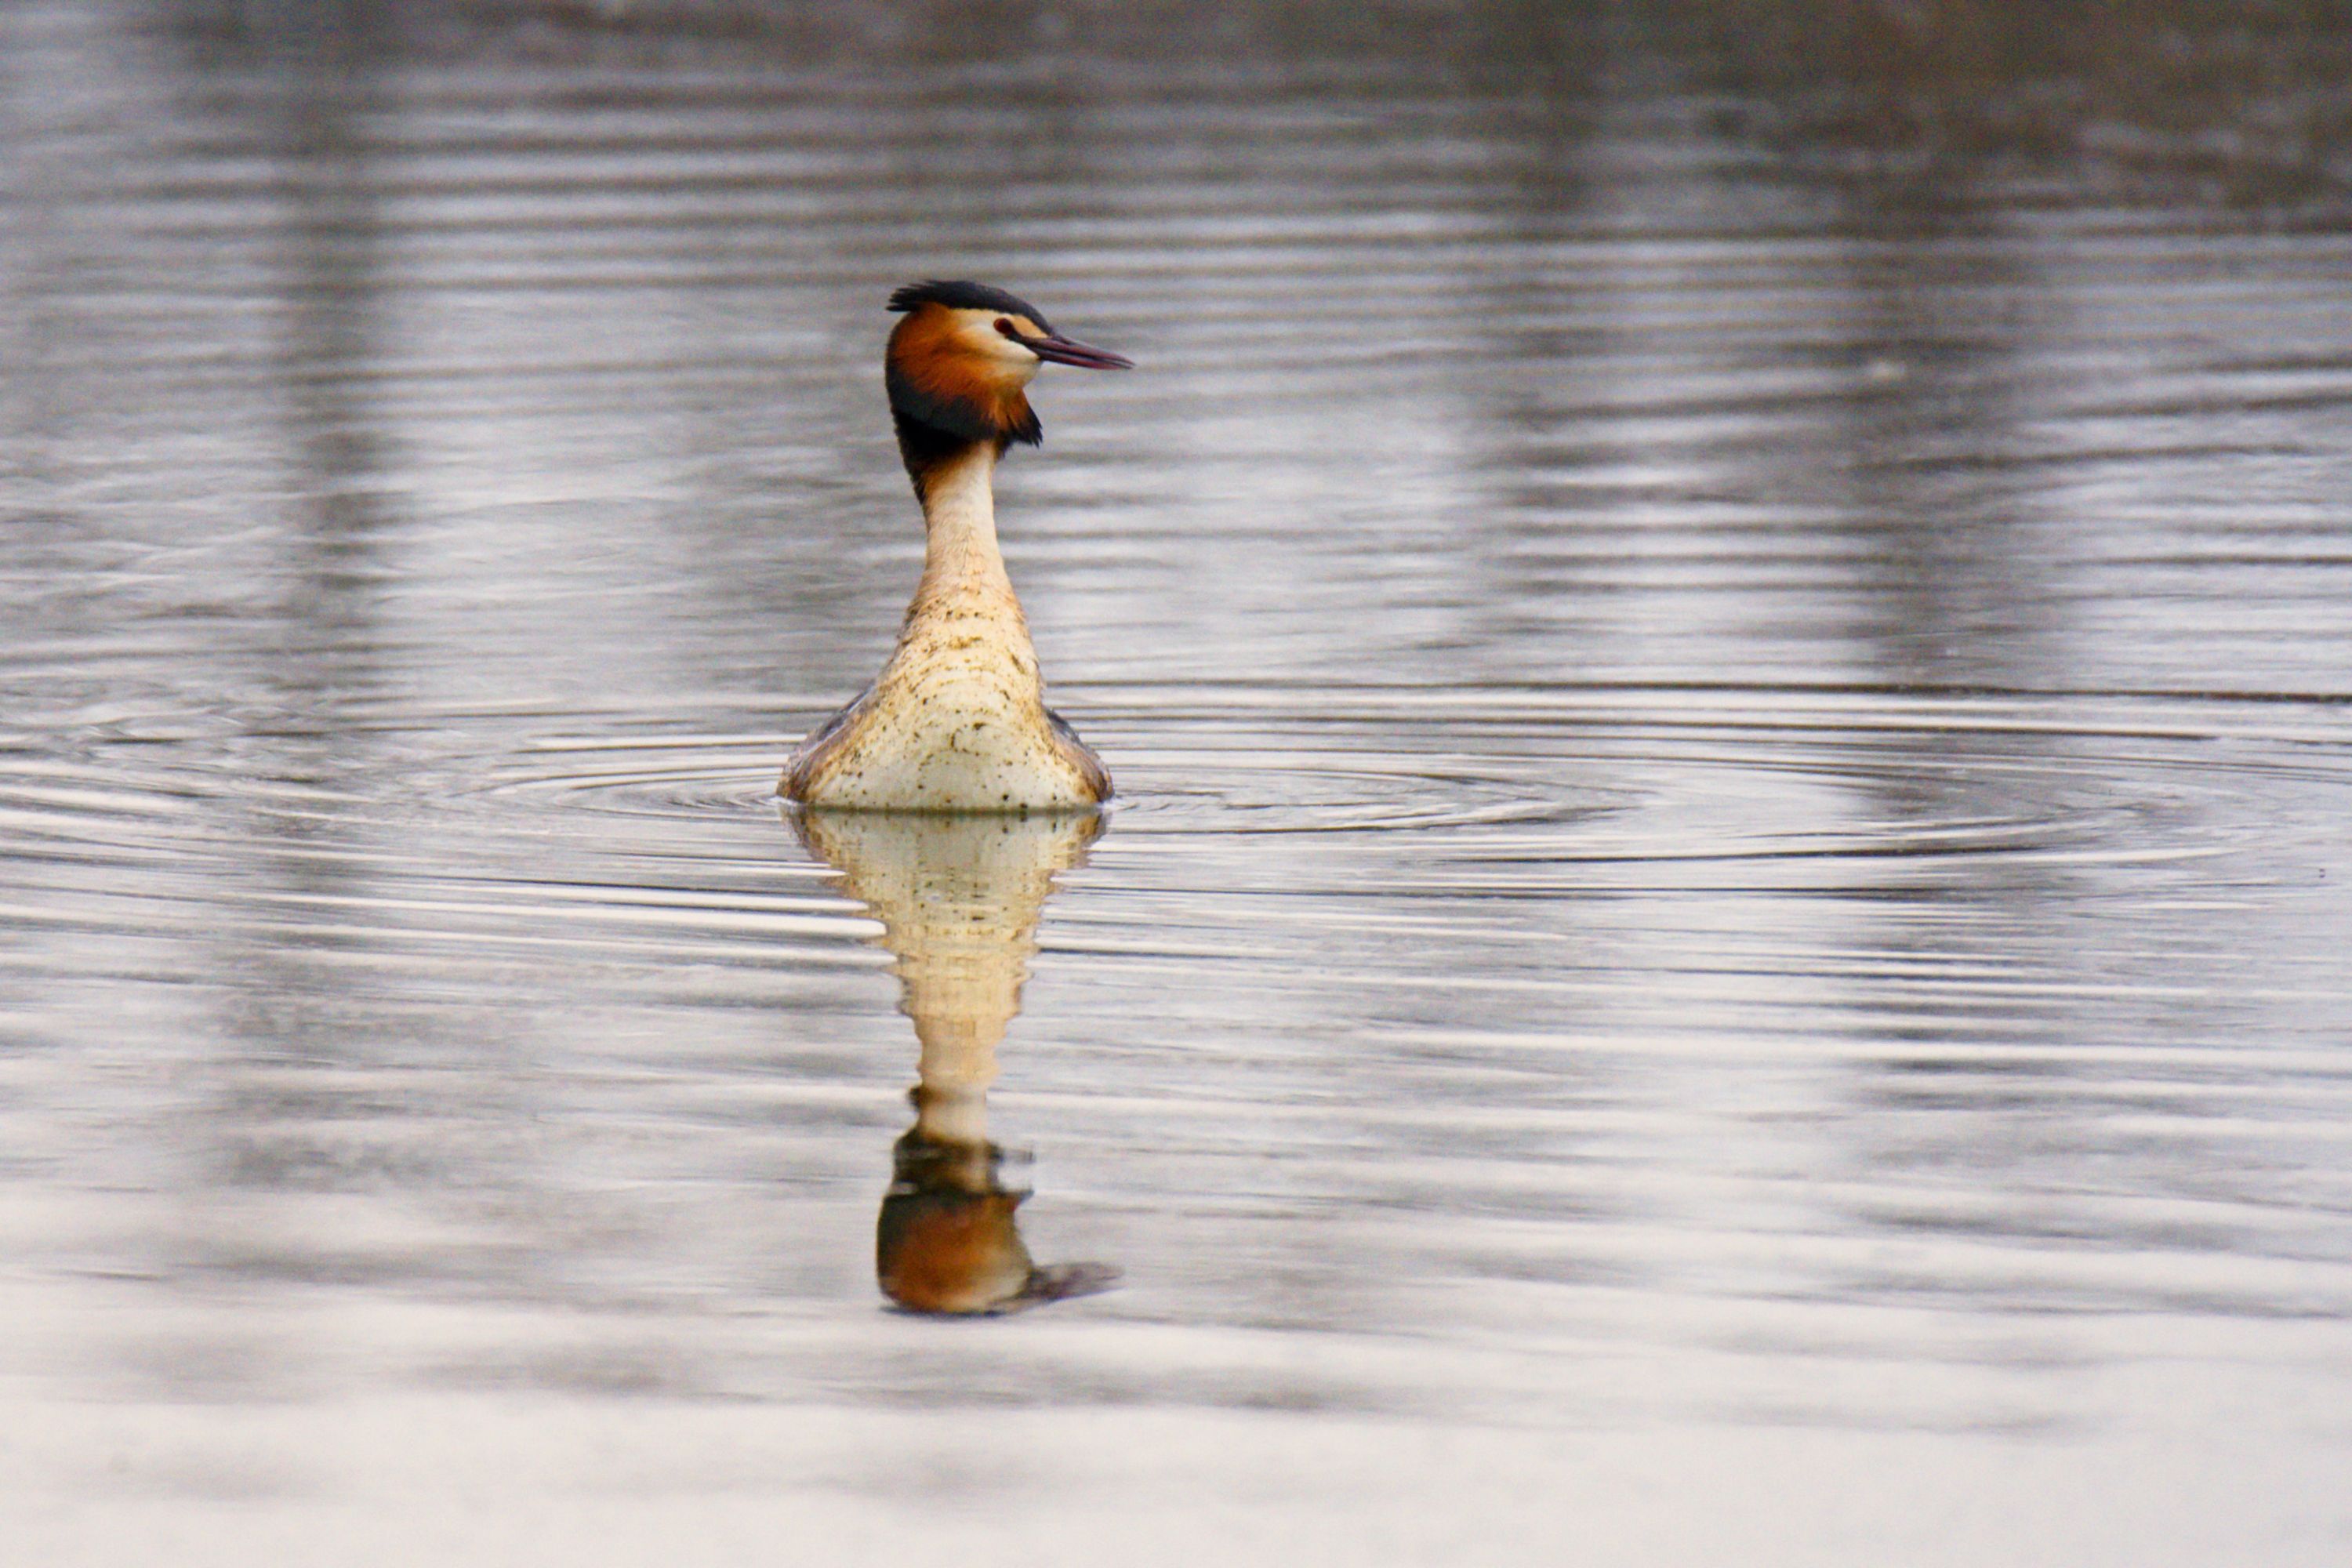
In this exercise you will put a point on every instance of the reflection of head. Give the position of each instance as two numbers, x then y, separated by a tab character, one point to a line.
947	1242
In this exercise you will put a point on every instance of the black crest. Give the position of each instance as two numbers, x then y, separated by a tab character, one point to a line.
963	294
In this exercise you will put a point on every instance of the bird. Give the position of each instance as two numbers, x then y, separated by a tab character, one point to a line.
956	721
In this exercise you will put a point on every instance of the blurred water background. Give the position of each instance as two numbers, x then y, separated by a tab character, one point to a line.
1727	634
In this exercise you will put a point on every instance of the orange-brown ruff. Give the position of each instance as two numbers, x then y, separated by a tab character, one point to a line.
957	720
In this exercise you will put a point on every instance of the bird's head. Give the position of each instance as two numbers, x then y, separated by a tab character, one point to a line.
958	366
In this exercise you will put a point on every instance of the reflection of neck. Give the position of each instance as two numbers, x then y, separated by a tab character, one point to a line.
959	973
958	897
960	560
957	1115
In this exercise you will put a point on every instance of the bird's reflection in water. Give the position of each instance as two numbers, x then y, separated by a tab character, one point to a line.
959	898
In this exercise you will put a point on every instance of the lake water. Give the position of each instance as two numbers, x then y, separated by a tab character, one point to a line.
1726	935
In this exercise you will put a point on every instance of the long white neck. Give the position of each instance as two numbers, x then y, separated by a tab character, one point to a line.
960	553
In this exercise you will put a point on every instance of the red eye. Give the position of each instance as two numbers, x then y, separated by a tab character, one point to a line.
1007	328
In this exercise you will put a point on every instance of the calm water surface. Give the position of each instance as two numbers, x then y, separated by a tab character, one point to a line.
1726	936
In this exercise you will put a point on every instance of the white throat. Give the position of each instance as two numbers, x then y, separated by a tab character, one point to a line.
959	550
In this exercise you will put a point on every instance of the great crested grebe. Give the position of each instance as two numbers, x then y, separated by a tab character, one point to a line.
956	721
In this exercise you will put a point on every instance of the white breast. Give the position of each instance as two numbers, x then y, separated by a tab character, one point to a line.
957	722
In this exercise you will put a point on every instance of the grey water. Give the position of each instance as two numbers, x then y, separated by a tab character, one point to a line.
1727	649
